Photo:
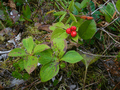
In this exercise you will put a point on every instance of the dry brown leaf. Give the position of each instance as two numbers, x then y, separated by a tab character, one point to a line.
12	4
43	27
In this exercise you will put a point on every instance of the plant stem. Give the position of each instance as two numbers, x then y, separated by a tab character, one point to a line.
85	78
2	24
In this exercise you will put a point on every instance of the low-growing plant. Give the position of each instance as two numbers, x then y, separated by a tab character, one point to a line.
50	57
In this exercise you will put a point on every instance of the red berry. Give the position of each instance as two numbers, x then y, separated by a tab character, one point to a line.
68	31
73	33
73	28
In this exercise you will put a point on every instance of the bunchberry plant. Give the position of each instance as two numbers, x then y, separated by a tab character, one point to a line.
48	57
28	54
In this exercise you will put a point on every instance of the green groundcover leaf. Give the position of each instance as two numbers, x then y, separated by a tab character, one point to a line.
46	56
17	52
59	32
109	12
30	63
84	3
71	6
28	44
26	11
87	29
40	48
72	57
62	17
48	71
59	13
59	46
73	17
118	5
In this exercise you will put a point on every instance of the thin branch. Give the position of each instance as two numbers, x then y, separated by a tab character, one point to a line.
115	7
109	35
97	55
111	22
107	48
88	85
100	7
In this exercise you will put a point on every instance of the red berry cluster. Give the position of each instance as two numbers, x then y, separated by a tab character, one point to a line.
71	31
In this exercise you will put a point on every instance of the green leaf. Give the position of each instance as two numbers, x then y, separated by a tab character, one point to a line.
77	6
46	56
56	25
52	28
71	6
17	52
57	6
87	29
21	18
30	63
40	48
62	65
92	6
103	9
62	17
62	4
28	19
25	76
28	44
55	82
68	20
59	32
48	71
88	59
26	11
118	5
59	46
59	13
110	10
16	74
77	24
72	57
84	3
21	64
73	17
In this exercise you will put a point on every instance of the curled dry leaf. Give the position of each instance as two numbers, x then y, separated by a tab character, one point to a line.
43	27
12	4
